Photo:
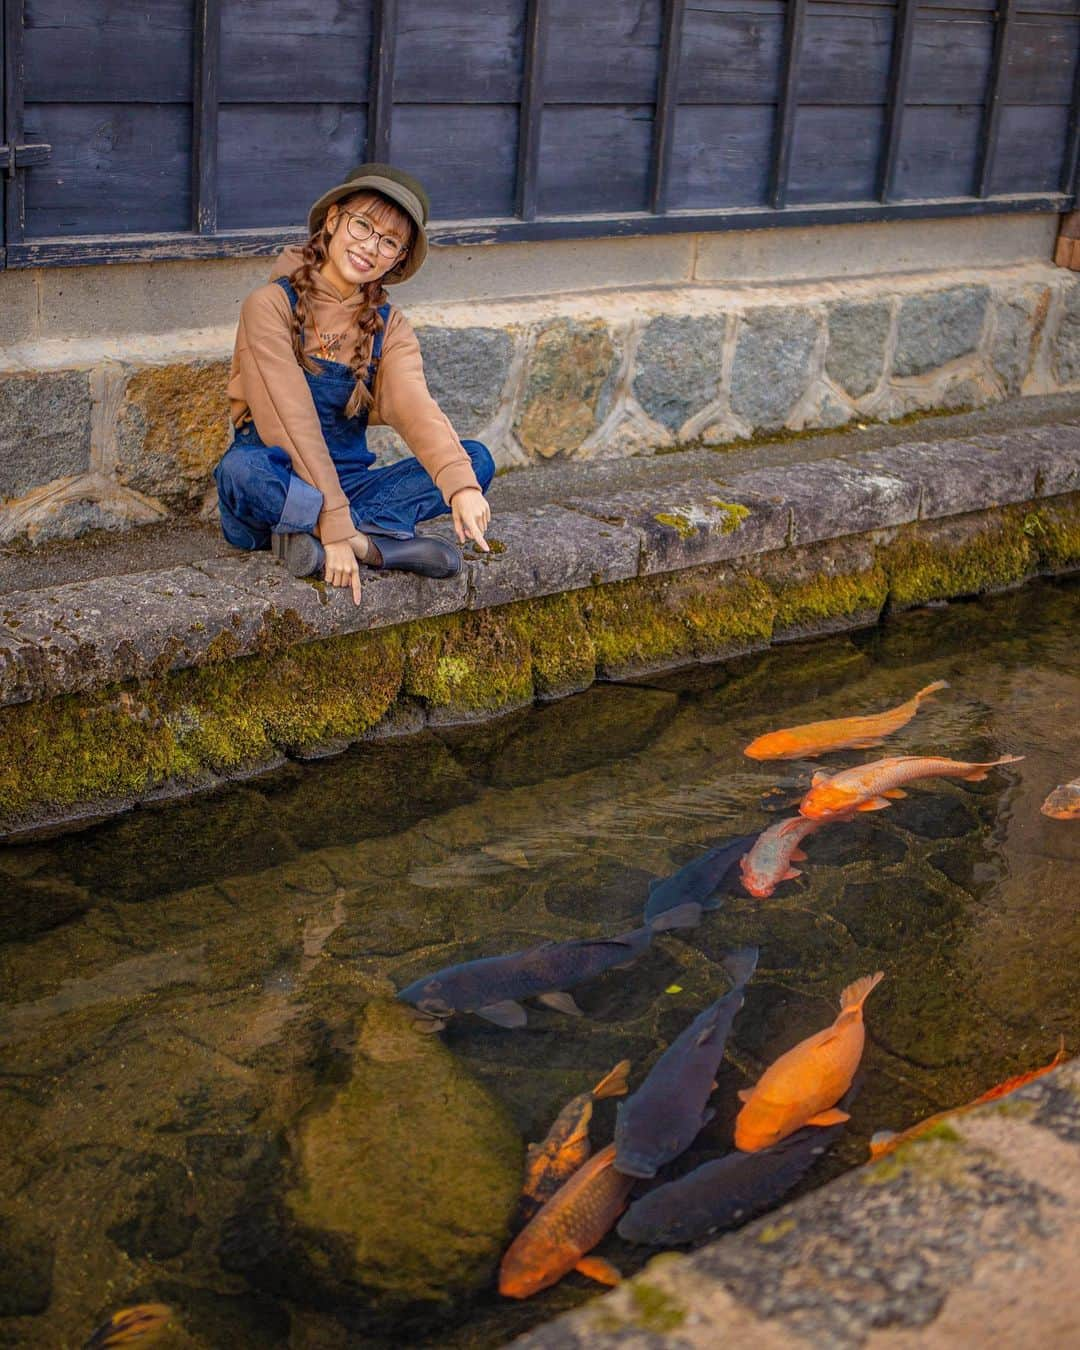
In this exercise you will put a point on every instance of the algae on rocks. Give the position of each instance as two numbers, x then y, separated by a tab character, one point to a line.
412	1166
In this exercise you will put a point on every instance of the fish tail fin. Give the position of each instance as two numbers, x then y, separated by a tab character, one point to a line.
929	689
881	1142
616	1083
979	771
682	916
740	965
856	994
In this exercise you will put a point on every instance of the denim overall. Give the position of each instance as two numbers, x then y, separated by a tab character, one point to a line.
259	494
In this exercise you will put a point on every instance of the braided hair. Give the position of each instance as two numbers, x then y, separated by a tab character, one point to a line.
369	321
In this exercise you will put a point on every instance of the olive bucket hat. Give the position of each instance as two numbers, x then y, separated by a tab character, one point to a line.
401	188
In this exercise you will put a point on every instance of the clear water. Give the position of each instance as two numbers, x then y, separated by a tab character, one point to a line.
178	984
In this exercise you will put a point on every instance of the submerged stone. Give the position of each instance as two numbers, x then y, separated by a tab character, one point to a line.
26	1267
410	1172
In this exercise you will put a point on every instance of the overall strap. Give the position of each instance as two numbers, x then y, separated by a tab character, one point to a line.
376	347
287	286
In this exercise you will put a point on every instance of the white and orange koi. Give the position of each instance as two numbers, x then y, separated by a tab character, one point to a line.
869	786
1064	802
769	862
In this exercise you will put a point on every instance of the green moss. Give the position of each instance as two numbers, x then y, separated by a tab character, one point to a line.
734	514
476	662
695	614
773	1232
806	603
653	1308
942	1131
968	556
1054	529
563	652
674	521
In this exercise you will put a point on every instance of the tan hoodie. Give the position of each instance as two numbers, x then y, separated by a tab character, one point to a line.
267	385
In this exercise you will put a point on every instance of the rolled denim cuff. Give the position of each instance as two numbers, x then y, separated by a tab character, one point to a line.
301	510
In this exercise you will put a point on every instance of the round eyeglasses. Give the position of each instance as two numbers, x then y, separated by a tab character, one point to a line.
362	230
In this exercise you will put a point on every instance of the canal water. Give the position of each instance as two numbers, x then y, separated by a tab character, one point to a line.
207	1097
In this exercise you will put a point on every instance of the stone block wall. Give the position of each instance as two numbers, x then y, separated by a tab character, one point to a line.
110	435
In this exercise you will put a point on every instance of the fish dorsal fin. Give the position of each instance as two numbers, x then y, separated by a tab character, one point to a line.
820	776
614	1084
744	1094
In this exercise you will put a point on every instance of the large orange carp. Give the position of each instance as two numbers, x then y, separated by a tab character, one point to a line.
566	1146
803	1086
569	1226
868	787
885	1141
839	733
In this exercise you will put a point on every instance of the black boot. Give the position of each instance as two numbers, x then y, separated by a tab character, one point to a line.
425	555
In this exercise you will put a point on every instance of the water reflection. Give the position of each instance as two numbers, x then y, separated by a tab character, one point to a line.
198	999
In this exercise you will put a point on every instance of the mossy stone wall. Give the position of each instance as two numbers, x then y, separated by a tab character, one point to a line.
95	753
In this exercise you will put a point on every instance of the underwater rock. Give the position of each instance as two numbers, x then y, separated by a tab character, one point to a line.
406	1176
156	1200
26	1267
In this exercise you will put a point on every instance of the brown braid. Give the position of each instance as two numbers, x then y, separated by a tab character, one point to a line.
369	322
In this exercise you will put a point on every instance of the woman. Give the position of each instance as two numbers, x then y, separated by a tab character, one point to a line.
320	354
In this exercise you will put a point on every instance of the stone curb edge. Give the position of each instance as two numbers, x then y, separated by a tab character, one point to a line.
86	635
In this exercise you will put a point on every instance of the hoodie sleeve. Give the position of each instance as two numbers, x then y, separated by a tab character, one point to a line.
403	401
272	384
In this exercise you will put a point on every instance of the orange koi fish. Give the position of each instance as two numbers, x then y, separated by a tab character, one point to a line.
769	862
572	1222
885	1141
1064	802
839	733
141	1322
869	786
566	1146
803	1086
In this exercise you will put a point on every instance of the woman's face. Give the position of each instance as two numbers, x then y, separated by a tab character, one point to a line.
353	261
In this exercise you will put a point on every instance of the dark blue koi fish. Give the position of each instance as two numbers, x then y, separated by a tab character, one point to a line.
665	1114
727	1191
493	986
697	882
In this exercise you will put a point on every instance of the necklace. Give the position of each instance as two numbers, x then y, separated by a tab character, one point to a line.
327	345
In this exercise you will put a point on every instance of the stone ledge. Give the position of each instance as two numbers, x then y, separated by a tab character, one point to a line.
967	1237
86	635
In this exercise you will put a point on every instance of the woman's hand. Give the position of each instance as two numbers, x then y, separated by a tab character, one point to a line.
472	515
341	567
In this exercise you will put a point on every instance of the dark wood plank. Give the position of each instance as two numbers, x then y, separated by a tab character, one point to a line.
834	154
794	29
295	51
1043	54
594	159
464	156
205	115
114	168
732	57
381	81
449	52
721	156
603	53
899	75
667	99
277	160
1031	148
61	252
1071	156
11	16
950	61
938	152
994	97
111	51
846	53
531	109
